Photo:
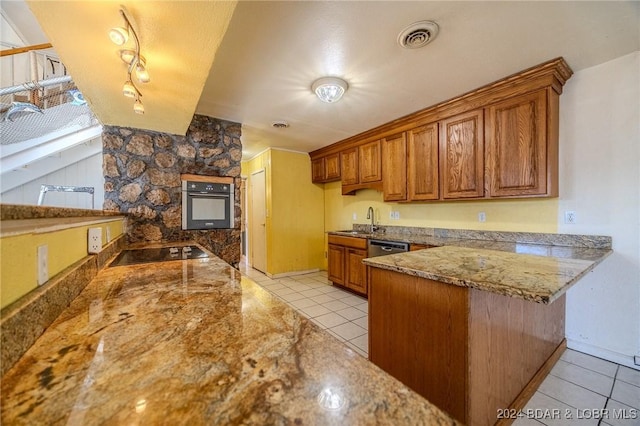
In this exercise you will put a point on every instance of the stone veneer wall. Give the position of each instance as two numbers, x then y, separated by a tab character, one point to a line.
142	178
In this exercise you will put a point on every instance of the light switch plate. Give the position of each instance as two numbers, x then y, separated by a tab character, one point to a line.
482	217
95	240
43	264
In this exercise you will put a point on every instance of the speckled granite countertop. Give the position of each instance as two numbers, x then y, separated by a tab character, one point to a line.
540	272
195	342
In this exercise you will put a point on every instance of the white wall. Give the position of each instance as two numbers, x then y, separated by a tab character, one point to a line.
600	181
87	172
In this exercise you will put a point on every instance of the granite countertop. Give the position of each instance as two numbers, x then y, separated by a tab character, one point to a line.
539	272
196	342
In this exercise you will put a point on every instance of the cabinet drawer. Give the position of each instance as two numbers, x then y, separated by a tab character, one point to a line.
358	243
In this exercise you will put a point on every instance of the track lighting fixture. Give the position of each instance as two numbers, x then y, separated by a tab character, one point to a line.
134	60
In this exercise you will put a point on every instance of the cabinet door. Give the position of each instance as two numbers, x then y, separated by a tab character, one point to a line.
370	162
332	167
462	156
423	163
349	166
317	170
517	146
394	168
336	259
356	270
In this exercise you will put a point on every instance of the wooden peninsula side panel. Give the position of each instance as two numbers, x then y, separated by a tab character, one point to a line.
470	352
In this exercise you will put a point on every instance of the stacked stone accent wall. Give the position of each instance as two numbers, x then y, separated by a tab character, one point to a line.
142	178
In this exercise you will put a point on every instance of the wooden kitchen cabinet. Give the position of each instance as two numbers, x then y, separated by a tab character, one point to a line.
370	162
356	270
349	167
336	259
345	262
517	151
470	352
498	141
422	163
325	169
462	156
317	170
394	167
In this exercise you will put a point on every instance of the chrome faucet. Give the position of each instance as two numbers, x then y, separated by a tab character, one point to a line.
371	215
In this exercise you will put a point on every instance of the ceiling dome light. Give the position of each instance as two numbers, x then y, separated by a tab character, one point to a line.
119	35
329	89
138	107
129	89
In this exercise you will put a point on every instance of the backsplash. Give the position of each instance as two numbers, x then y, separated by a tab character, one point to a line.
142	178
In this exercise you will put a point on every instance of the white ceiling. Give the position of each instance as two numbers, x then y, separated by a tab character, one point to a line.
273	51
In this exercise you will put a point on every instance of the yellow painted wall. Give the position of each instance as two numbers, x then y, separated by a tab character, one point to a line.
297	215
295	211
524	215
18	256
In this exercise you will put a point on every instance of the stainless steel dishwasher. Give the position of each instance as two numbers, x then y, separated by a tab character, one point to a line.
383	248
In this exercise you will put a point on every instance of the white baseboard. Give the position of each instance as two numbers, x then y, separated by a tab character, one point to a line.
622	359
291	274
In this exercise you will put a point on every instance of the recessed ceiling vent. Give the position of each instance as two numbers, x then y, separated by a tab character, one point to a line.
280	124
418	34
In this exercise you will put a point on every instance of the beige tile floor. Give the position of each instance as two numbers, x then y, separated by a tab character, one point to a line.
581	389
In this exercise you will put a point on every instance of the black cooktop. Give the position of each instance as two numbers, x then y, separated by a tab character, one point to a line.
149	255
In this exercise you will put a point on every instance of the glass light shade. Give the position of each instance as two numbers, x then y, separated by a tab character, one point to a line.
329	89
127	55
119	35
138	107
142	74
129	90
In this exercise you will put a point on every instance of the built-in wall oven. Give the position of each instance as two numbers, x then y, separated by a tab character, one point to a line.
207	205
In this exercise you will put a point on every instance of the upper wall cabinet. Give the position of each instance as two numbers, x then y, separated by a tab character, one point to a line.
422	164
370	162
361	167
325	169
462	156
498	141
518	147
394	167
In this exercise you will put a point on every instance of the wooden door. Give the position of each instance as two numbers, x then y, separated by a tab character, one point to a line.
258	232
516	139
394	167
336	260
332	167
422	167
370	162
462	156
349	166
317	170
356	270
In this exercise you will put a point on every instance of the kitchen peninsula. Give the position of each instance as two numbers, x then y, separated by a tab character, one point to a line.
472	329
196	342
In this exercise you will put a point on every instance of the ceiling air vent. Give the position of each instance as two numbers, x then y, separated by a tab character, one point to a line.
280	124
418	34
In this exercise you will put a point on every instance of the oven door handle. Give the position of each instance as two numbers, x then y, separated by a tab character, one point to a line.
208	195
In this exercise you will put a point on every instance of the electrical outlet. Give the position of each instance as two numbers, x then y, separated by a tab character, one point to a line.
43	264
95	240
482	217
570	217
108	234
391	214
355	216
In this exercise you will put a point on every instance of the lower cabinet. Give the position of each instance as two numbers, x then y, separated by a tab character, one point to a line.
345	263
